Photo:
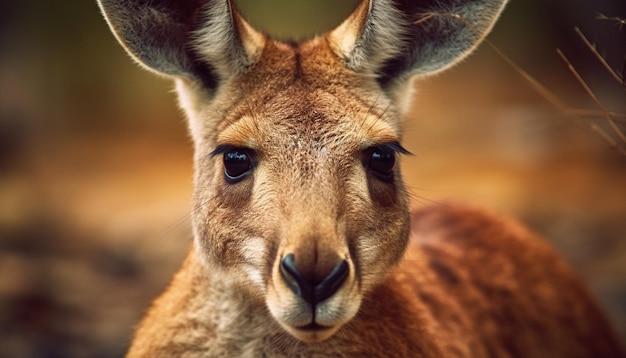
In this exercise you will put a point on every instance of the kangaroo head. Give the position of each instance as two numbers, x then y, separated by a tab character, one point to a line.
298	195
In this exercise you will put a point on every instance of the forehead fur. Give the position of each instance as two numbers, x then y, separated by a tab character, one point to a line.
307	93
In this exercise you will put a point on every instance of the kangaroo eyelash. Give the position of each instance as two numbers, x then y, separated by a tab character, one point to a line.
224	148
220	149
395	147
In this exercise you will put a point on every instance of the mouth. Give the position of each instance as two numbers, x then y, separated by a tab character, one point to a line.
313	332
313	327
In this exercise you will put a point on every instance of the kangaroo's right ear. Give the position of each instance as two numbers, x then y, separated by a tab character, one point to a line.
206	41
393	40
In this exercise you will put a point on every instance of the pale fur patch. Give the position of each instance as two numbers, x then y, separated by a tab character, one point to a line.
253	250
191	98
374	130
403	94
241	133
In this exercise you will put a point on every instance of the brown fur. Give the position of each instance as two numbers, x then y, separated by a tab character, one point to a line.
442	282
471	285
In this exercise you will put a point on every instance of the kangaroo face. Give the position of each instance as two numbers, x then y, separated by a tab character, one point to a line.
298	196
300	190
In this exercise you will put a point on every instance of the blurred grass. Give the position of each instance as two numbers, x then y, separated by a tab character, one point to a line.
95	163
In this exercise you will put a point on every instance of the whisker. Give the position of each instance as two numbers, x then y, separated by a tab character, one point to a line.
370	109
170	228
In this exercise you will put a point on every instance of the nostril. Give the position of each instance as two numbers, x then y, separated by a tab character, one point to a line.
331	283
298	284
308	291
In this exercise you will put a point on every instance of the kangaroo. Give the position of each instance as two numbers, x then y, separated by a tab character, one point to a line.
304	243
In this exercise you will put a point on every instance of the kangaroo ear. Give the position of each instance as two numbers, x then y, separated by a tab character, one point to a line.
203	40
395	39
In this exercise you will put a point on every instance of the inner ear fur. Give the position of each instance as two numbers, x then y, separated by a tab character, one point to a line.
396	39
197	39
156	33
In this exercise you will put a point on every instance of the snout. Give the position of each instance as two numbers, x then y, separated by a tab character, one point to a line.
313	294
310	290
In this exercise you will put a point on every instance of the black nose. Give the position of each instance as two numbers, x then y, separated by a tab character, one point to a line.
312	292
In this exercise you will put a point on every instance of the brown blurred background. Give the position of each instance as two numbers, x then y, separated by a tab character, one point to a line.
95	162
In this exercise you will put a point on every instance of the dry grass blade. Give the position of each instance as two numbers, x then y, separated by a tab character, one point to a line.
541	89
618	20
612	118
595	99
612	142
619	78
587	113
536	85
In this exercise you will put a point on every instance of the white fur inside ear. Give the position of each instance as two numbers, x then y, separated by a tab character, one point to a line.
344	38
216	40
252	40
370	36
398	39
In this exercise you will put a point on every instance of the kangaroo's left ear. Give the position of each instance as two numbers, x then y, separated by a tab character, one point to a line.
396	39
203	40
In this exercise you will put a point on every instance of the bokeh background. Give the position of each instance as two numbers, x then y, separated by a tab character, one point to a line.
95	161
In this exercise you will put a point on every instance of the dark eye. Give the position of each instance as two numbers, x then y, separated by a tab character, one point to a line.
237	164
380	161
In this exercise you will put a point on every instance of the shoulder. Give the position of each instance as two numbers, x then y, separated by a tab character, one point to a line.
463	225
